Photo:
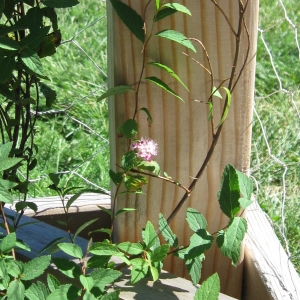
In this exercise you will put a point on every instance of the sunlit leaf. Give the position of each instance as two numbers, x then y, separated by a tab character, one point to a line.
121	89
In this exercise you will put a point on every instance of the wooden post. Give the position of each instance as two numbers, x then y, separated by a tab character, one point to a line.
182	130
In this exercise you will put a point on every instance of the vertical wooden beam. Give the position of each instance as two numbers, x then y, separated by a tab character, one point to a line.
182	130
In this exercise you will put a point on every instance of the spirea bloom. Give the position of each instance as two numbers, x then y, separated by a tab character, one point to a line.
145	148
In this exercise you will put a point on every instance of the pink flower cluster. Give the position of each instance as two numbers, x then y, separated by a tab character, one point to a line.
145	148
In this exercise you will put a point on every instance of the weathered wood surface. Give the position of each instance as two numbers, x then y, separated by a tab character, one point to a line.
268	273
39	234
181	129
50	211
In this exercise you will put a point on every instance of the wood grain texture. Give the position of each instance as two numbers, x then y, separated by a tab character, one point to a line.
269	274
182	130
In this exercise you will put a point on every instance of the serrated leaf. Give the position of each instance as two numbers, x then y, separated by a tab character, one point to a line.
6	92
226	108
15	290
178	7
170	71
151	166
34	19
149	119
48	93
83	226
128	160
102	248
166	231
134	183
65	292
131	248
163	13
209	289
52	246
89	296
7	66
9	44
60	3
111	296
169	9
5	195
129	128
23	204
22	245
32	61
177	37
130	18
154	273
199	242
121	89
8	243
160	253
87	282
14	268
245	184
69	268
71	249
139	270
229	194
33	40
102	277
52	282
195	219
244	202
35	267
230	240
194	267
36	292
9	163
162	85
98	261
117	178
149	235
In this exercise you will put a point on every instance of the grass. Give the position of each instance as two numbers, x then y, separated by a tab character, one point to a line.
280	120
65	144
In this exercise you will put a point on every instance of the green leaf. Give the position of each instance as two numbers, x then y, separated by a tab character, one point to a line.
9	44
103	248
52	282
32	61
227	106
22	205
166	231
33	40
199	242
160	253
133	183
116	178
170	71
209	289
244	202
69	268
229	194
48	93
8	243
34	19
6	92
211	110
195	219
162	85
129	128
65	292
102	277
139	269
149	236
131	248
157	4
87	282
169	9
149	119
9	162
151	166
60	3
154	273
71	249
176	37
194	267
15	290
54	178
36	292
216	93
108	211
22	245
128	160
5	195
89	296
125	210
35	267
7	66
230	240
111	296
83	226
130	18
14	268
52	246
73	199
245	184
121	89
98	261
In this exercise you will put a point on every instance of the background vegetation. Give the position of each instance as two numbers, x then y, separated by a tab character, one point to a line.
84	150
